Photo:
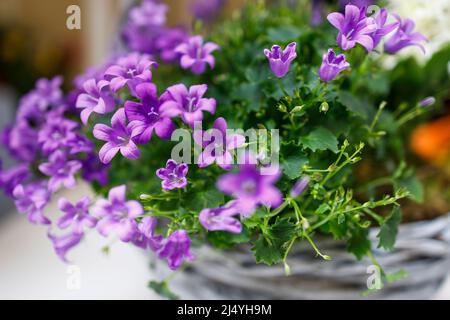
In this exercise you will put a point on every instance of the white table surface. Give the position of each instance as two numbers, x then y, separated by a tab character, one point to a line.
29	269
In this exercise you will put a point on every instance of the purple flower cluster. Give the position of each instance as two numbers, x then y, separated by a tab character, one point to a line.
356	27
145	32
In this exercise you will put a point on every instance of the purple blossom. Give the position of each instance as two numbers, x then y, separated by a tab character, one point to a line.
178	101
149	13
145	237
173	176
354	27
117	214
280	60
382	28
332	65
428	101
221	218
49	93
76	215
404	37
358	3
130	70
94	170
218	145
142	39
145	115
62	245
250	189
60	170
168	41
176	249
316	12
299	187
96	99
56	133
11	178
207	10
195	55
79	144
32	200
21	141
118	137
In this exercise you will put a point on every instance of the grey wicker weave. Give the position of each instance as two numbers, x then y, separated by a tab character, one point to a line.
422	249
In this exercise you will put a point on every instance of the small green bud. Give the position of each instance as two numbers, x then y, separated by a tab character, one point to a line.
297	109
282	108
324	107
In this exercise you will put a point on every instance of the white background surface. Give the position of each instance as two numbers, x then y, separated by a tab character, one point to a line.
29	269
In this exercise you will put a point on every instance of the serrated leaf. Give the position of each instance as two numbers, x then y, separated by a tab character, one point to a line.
320	139
414	186
271	251
353	104
293	165
226	240
359	243
389	230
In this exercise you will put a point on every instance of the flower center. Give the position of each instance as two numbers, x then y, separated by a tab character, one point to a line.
131	72
249	186
192	104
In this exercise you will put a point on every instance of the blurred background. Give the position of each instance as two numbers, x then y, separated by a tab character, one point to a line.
34	43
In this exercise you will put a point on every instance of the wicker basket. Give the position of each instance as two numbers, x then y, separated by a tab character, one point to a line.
422	249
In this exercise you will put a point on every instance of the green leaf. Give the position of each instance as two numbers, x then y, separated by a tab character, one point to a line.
320	139
226	240
270	248
284	33
389	230
162	288
359	243
354	104
293	165
414	186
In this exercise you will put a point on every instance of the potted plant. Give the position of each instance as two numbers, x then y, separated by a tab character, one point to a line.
257	143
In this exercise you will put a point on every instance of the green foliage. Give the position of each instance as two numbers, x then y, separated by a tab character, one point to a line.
389	230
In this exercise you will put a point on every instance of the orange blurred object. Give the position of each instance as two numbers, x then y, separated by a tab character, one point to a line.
431	141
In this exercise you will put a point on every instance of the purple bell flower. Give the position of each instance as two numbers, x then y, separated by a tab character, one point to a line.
250	189
168	41
145	115
280	60
354	27
382	28
332	65
96	99
221	219
299	187
118	137
145	237
117	214
176	249
56	133
178	101
195	55
32	200
217	145
130	70
61	171
173	176
404	37
11	178
62	245
76	215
